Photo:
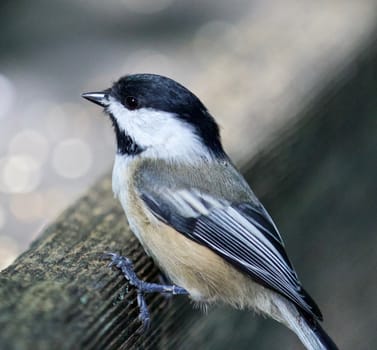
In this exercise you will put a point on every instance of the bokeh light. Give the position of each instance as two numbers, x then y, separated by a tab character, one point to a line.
72	158
32	143
19	173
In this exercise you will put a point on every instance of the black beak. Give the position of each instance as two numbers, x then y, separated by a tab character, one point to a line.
100	98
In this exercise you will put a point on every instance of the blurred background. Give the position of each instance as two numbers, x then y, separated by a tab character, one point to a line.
271	72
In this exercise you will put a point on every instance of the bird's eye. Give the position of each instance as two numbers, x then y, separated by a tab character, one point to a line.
131	102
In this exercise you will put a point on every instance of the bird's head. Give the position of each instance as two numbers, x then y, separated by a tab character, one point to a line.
157	117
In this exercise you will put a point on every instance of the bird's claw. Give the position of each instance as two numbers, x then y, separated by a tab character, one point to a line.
125	265
144	315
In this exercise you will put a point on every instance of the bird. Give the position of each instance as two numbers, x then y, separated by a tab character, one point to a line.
194	213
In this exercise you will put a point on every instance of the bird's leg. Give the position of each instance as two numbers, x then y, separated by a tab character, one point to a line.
162	279
125	265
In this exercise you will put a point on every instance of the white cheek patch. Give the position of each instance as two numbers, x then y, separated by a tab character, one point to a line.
162	134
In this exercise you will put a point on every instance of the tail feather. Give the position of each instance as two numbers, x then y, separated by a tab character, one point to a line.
309	331
323	337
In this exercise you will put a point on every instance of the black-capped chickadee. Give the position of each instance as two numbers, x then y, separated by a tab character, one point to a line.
194	213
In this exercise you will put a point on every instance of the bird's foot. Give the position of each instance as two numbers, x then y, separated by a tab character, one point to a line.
126	266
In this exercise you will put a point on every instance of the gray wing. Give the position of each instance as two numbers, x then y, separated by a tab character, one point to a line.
242	233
